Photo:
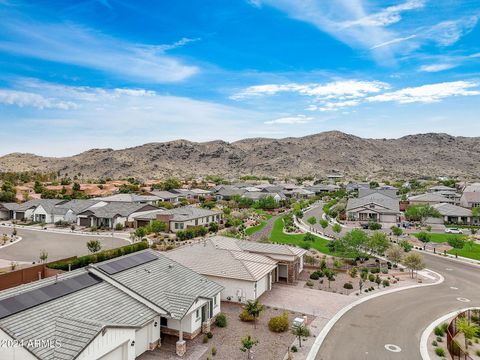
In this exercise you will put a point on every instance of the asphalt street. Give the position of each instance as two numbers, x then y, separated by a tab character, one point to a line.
57	245
400	318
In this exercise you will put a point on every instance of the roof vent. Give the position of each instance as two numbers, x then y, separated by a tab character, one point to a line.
170	266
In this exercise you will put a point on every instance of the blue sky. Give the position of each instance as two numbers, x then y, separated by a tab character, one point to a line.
116	73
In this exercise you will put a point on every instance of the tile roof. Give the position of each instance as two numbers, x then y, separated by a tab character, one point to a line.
132	198
389	204
185	213
116	208
164	194
452	210
76	206
207	259
430	197
223	242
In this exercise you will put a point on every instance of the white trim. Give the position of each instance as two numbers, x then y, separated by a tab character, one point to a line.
326	329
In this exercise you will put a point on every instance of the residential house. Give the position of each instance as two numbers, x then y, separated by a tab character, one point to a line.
68	211
355	186
109	215
452	214
166	196
117	309
33	210
226	192
429	199
373	207
257	195
390	192
131	198
179	218
471	196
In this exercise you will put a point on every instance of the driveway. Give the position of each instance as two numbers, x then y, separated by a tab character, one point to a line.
57	245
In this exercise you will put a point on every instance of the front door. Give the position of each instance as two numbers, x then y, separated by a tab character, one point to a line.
204	313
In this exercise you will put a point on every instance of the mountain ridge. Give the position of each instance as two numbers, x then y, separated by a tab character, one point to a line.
315	154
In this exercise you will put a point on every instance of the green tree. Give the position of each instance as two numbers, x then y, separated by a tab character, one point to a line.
311	220
38	187
414	262
354	242
323	223
336	228
456	242
157	226
424	237
43	256
468	329
378	242
168	184
406	245
421	213
476	211
76	186
94	246
140	233
254	308
309	237
213	227
353	272
396	231
247	344
300	331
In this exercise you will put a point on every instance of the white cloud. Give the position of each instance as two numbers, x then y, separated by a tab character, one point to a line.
75	45
428	93
290	120
393	41
342	89
29	99
387	16
449	32
436	67
332	106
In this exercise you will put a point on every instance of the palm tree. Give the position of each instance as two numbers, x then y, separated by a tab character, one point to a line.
247	344
254	308
300	331
468	329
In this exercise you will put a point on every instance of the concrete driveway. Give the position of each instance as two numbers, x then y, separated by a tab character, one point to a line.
57	245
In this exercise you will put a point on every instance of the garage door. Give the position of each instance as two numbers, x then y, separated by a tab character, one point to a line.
84	221
141	340
120	353
19	215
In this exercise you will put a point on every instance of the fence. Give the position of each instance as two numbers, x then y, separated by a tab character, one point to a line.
454	349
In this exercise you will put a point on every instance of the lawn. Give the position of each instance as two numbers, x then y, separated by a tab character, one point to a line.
252	230
279	236
471	251
441	238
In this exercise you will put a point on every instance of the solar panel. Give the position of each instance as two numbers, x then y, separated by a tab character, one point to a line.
32	298
127	262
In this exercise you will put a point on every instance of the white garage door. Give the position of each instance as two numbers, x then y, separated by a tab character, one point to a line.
120	353
141	340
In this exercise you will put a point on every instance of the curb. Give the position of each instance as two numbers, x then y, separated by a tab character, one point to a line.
426	333
19	238
326	329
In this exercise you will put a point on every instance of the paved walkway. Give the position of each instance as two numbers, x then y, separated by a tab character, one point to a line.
266	231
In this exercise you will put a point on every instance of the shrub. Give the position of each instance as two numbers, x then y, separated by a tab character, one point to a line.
209	334
221	320
245	316
93	228
371	277
347	286
314	276
440	352
119	227
385	283
438	331
439	339
477	353
375	270
309	283
294	348
434	343
444	327
214	351
279	323
205	339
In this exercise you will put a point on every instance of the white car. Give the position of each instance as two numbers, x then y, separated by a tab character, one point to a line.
453	231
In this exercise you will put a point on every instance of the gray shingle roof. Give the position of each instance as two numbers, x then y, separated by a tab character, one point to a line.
129	198
185	213
76	206
164	195
430	197
167	284
224	242
452	210
117	208
390	205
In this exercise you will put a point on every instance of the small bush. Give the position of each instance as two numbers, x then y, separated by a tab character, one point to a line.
477	352
314	276
434	343
245	316
221	320
214	351
279	323
294	348
119	227
309	283
209	334
444	327
438	331
371	277
385	283
347	286
205	339
439	339
440	352
375	270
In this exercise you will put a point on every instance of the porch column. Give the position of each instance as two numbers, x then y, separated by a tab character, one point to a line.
181	345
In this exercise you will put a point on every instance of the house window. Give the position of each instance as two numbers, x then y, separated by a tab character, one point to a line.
372	206
196	222
197	313
215	301
163	322
178	226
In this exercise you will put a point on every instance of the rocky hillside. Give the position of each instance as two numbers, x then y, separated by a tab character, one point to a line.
319	154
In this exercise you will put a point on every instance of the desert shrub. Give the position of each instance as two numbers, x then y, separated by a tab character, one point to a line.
294	348
477	353
347	286
434	343
279	323
209	334
221	320
309	283
205	339
438	331
314	276
245	316
375	270
119	227
439	339
440	352
444	327
371	277
214	351
385	283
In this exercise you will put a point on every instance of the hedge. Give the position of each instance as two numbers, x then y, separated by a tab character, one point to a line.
83	261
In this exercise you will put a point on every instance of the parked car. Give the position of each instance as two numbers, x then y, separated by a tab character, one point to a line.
453	231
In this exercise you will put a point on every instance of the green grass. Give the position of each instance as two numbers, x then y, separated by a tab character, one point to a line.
441	238
252	230
468	251
279	236
264	214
